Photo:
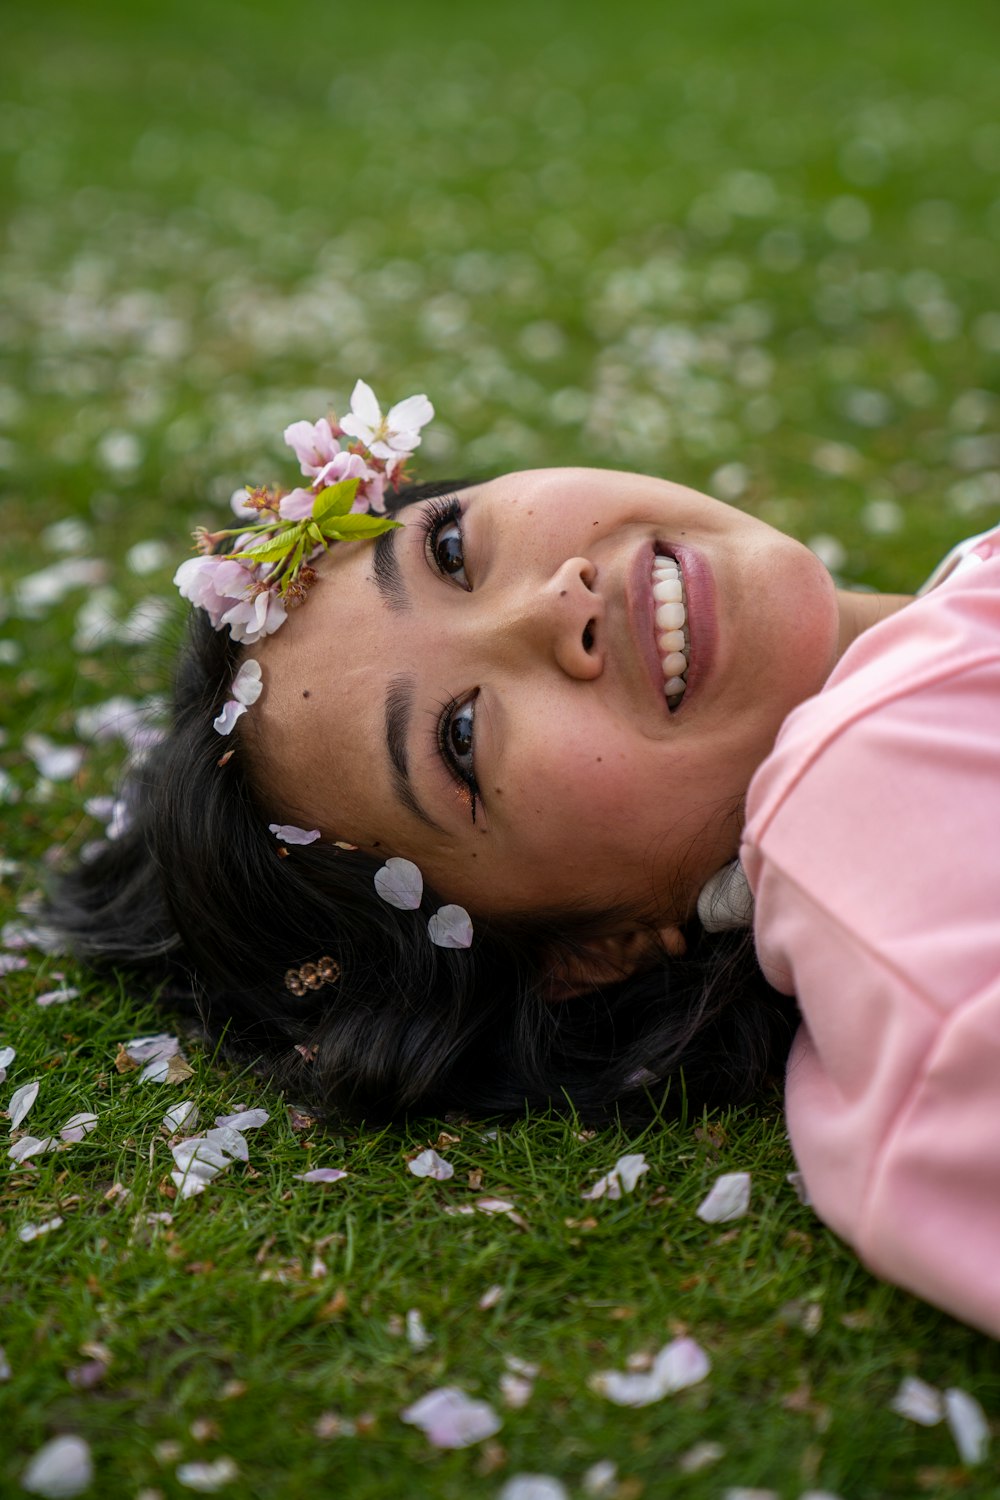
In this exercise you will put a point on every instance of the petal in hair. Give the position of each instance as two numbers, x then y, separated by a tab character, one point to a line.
450	927
247	683
289	834
225	722
400	883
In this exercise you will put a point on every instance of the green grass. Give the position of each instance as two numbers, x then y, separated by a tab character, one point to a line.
750	246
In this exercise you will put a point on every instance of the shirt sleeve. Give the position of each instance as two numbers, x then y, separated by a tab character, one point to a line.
873	848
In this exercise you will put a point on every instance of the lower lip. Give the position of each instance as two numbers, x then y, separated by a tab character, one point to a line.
699	600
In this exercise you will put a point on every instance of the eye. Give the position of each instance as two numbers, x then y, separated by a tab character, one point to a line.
460	735
443	540
455	733
447	549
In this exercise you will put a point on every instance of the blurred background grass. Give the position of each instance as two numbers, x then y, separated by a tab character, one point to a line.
750	246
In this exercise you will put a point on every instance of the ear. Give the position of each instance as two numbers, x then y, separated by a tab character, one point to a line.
609	959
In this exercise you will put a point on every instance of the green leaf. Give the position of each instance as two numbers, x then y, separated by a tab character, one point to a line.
274	550
358	528
336	500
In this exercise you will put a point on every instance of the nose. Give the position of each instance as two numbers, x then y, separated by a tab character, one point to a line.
560	618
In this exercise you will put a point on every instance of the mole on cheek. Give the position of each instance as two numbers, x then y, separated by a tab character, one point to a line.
305	692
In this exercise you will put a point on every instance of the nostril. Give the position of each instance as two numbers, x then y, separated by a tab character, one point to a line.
588	636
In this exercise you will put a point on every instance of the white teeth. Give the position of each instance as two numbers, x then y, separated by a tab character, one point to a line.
671	619
671	616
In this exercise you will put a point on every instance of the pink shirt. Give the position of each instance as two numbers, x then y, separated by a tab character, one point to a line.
872	845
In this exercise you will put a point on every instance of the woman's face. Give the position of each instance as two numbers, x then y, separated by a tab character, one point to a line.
516	649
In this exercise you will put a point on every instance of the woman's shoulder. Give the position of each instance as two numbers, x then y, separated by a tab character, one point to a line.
943	650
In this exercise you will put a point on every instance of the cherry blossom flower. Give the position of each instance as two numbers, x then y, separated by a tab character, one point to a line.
393	436
314	445
231	595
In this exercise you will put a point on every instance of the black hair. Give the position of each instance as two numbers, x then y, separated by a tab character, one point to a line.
197	895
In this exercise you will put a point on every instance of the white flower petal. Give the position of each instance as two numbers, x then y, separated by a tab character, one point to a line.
321	1174
533	1487
247	683
728	1199
244	1119
450	927
58	997
365	406
7	1054
968	1424
29	1232
289	834
61	1469
451	1419
31	1145
416	1334
601	1479
21	1101
183	1116
77	1126
400	883
918	1402
429	1164
680	1363
206	1478
622	1178
225	722
409	416
145	1049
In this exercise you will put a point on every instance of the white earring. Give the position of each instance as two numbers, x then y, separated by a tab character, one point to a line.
726	900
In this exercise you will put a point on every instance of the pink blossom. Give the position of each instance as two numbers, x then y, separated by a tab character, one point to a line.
297	505
314	444
231	595
393	436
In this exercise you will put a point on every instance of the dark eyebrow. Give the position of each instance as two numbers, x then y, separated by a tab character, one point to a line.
388	578
398	710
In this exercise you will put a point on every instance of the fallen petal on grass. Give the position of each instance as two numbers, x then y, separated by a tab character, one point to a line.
451	1419
533	1487
430	1164
918	1402
59	1470
21	1101
321	1174
621	1179
679	1364
206	1478
729	1199
968	1424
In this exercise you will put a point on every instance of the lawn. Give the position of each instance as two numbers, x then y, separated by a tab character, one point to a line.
751	246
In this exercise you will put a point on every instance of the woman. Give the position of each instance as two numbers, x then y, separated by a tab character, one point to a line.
470	839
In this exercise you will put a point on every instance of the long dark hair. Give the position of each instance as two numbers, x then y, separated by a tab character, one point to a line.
196	895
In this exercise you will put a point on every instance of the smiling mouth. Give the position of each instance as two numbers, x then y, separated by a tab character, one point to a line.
670	625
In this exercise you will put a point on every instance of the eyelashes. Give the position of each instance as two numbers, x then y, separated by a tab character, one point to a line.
454	729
